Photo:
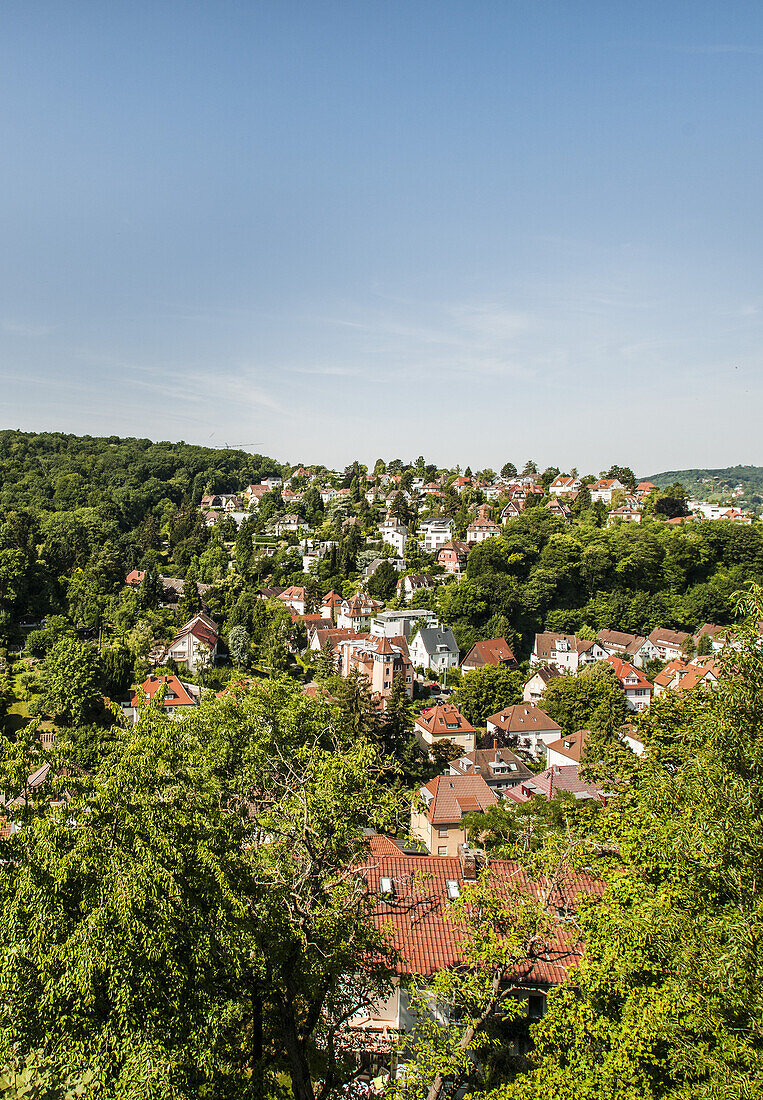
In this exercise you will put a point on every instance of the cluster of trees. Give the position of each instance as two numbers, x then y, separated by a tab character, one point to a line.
542	575
182	917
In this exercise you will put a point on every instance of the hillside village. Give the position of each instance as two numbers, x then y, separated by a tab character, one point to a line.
492	657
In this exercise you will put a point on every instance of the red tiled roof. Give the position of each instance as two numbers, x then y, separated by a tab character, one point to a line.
444	720
456	795
176	694
417	911
571	746
493	651
626	672
523	718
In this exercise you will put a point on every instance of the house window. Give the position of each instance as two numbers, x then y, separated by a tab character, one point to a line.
442	850
442	833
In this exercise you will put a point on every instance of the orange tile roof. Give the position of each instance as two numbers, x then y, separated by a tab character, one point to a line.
444	720
523	718
176	695
417	912
455	795
492	651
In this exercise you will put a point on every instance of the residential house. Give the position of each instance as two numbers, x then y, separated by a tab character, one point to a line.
604	488
638	690
436	819
379	660
391	623
482	527
452	557
499	767
681	676
565	779
524	727
632	738
716	634
273	481
394	534
461	483
536	685
357	612
513	510
644	488
617	642
178	697
409	586
253	494
435	647
195	644
568	749
318	637
559	509
566	651
331	605
669	643
398	564
493	651
289	525
294	597
445	722
563	485
623	514
436	533
412	893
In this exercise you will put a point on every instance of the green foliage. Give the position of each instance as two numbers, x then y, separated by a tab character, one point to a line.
486	690
593	702
70	680
667	1001
238	645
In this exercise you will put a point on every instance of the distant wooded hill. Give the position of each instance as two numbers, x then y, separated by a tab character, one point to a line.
719	483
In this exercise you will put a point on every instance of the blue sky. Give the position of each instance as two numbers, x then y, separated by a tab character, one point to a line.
474	230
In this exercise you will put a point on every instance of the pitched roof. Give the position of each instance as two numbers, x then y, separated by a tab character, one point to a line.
444	720
572	745
449	797
674	638
629	676
416	911
176	693
546	673
461	548
566	777
545	643
496	763
201	627
493	651
434	636
523	718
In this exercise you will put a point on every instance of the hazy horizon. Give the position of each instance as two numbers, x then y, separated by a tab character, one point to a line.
475	231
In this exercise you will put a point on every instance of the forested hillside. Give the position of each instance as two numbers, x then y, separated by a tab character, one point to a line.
718	483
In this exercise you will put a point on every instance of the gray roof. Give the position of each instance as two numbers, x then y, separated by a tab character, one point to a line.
432	637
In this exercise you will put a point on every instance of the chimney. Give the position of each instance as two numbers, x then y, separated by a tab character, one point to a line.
472	861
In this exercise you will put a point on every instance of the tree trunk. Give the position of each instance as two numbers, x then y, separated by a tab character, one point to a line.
301	1082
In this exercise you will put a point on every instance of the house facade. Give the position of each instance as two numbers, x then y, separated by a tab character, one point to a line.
436	816
435	647
444	722
566	651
